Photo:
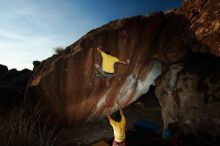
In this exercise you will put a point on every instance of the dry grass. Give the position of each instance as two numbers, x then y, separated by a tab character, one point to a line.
17	128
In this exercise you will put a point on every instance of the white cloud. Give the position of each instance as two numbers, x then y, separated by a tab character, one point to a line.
27	11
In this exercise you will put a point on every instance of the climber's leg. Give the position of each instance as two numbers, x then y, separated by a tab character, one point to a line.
102	74
99	72
108	78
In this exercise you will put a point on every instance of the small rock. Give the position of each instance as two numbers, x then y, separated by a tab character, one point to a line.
3	69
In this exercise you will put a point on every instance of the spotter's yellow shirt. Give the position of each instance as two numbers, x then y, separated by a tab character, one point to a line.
119	129
108	62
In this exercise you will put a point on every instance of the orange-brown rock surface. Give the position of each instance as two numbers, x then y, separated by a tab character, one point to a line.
67	84
204	18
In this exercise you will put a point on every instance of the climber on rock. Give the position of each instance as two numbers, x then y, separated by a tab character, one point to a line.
107	70
118	123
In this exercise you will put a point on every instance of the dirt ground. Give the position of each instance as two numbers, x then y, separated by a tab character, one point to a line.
146	108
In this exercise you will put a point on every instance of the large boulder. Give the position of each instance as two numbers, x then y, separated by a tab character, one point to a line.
67	84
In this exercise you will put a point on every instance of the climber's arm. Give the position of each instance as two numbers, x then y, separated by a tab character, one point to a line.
123	62
107	114
120	109
99	50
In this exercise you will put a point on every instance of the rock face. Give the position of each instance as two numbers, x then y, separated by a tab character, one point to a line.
203	16
12	85
189	95
67	82
68	87
188	90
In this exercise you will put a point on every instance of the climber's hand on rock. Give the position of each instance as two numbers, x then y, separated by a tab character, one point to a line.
105	109
128	61
106	105
117	102
119	106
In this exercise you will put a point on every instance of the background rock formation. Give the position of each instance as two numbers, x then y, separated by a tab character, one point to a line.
12	85
189	95
162	42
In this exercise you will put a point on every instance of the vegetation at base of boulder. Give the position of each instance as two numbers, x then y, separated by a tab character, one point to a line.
58	50
17	128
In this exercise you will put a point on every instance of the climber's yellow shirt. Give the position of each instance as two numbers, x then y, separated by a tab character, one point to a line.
119	129
108	62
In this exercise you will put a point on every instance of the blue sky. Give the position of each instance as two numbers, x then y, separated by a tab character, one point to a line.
30	29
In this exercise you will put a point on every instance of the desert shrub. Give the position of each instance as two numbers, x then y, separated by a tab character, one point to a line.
58	50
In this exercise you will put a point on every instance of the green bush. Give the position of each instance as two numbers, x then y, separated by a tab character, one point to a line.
59	50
